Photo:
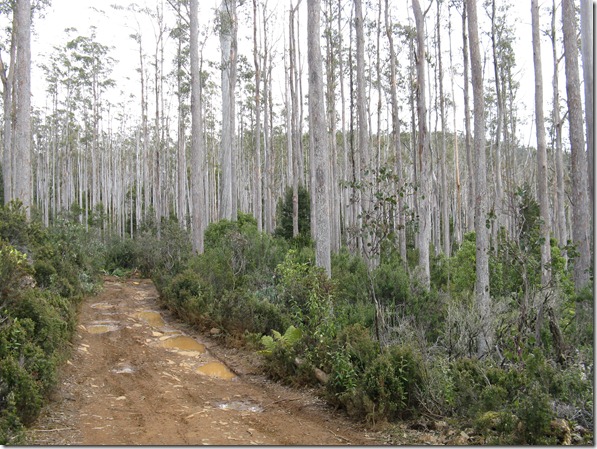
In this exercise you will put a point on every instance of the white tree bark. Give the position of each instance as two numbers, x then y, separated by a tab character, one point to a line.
483	299
586	39
198	221
22	181
228	29
580	197
319	138
541	162
424	149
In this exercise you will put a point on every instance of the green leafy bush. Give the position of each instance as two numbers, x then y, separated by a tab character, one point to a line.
392	380
284	217
43	274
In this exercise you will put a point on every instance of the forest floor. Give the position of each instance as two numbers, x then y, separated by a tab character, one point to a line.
138	376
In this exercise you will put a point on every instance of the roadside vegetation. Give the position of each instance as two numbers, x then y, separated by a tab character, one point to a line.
374	341
371	339
44	274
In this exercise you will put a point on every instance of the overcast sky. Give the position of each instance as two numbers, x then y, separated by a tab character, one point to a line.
114	28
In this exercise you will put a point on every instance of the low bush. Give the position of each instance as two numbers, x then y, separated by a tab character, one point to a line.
43	275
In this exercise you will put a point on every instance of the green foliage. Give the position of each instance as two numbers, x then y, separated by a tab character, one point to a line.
391	382
289	339
535	414
164	256
13	268
121	254
391	283
250	284
307	292
462	266
43	274
349	274
284	217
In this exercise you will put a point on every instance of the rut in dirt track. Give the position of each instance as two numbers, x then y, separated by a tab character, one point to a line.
139	376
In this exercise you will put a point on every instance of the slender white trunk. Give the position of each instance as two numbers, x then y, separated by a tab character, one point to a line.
22	181
580	197
198	221
319	139
484	340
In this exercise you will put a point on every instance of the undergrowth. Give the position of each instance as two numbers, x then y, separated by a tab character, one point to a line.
266	291
44	274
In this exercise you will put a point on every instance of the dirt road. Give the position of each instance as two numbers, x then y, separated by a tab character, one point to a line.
140	377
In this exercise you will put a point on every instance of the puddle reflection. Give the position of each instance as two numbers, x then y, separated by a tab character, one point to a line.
183	343
101	328
216	369
241	406
152	318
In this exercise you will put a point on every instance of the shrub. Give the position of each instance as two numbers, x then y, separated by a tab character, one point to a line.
535	414
391	283
13	268
391	382
349	274
284	217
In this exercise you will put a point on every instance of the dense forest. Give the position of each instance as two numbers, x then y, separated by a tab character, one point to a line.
348	187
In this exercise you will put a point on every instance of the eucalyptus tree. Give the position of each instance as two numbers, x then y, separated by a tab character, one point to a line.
181	34
424	152
7	73
541	159
258	196
559	193
318	139
484	340
361	158
22	133
586	39
444	203
16	81
228	22
580	198
198	220
396	140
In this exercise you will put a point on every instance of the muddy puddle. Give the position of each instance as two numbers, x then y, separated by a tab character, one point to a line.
102	306
183	343
101	328
217	370
152	318
123	368
240	406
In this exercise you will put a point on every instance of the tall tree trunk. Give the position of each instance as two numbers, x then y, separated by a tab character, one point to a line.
580	200
424	152
541	164
198	221
467	125
181	147
295	135
22	181
268	151
8	83
396	136
560	197
586	39
228	29
458	214
258	197
319	138
347	209
444	183
497	205
483	299
331	51
362	156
